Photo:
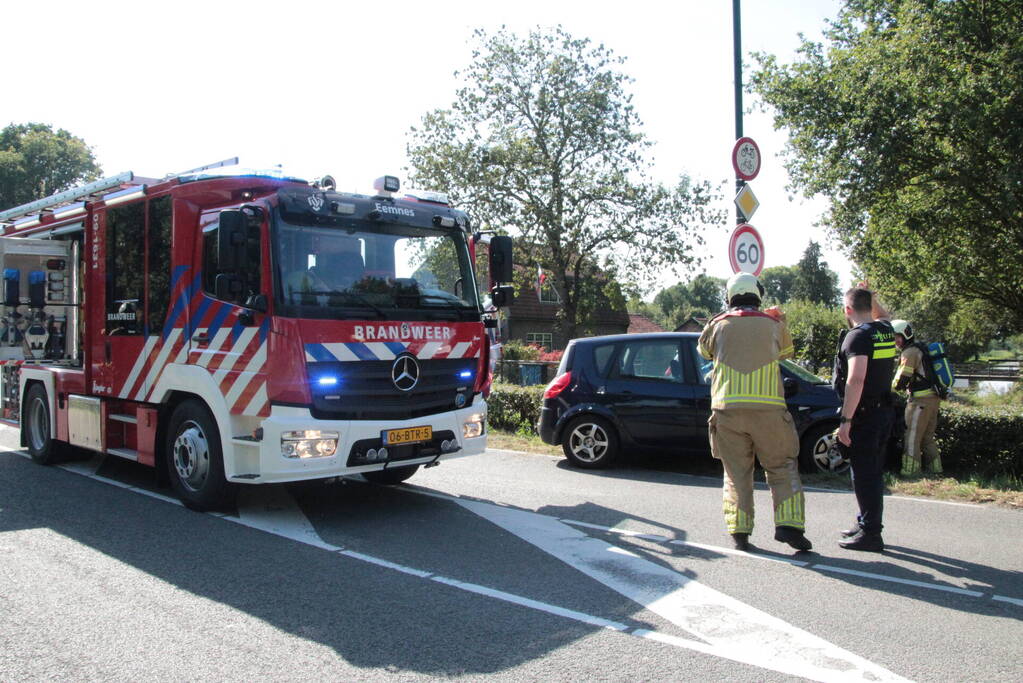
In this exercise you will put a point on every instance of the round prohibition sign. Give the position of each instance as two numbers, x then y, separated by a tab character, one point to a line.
746	250
746	158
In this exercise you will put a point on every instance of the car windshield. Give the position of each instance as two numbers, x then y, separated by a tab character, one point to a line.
379	270
802	373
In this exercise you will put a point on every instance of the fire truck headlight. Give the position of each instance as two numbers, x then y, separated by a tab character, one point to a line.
309	443
473	426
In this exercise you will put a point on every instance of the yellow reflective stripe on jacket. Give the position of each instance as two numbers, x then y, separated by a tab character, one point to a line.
884	350
923	392
762	385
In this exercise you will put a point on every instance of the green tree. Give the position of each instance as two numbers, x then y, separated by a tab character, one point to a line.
543	141
814	280
36	162
778	282
906	119
815	328
703	296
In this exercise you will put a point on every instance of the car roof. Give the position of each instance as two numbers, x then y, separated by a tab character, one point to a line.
613	338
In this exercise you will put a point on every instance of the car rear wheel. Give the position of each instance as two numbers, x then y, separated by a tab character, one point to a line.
818	451
590	442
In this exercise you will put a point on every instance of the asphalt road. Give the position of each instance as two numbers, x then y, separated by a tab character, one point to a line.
503	566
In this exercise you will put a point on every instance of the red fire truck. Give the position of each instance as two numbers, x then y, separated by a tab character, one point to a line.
242	327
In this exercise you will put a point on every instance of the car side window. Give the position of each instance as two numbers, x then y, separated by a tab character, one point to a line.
704	367
658	359
602	357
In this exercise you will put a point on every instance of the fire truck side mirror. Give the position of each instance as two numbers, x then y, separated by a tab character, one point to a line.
502	296
231	241
501	259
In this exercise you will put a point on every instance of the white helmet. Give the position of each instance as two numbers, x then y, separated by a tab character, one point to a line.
903	327
744	283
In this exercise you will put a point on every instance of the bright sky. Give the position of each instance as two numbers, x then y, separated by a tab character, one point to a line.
333	87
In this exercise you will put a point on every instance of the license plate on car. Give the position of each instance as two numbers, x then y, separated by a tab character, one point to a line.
400	437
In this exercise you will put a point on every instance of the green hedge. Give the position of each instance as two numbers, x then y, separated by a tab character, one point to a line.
987	441
514	408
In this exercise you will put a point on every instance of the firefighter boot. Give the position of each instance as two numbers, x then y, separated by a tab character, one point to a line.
793	536
741	541
871	543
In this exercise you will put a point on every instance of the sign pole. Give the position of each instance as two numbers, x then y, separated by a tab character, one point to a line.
737	54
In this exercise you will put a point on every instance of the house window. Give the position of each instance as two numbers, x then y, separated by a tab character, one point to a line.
544	339
549	295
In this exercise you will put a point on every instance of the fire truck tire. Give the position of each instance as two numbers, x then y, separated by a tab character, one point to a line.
195	461
36	421
391	476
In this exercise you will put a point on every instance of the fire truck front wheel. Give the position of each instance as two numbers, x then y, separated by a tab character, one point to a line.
36	421
195	462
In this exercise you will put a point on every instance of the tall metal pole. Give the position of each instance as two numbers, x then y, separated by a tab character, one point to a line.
737	53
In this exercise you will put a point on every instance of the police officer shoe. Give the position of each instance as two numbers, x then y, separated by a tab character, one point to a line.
740	541
851	531
871	543
793	536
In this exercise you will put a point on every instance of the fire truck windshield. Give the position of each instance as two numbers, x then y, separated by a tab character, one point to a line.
379	270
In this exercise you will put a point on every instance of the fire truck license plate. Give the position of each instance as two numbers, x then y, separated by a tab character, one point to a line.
400	437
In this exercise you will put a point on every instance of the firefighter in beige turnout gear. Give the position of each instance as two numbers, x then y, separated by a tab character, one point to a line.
921	407
749	417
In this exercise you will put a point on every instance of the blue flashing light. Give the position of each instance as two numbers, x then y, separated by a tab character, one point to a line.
327	381
465	374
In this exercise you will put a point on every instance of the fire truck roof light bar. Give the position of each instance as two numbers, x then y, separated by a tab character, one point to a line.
125	195
67	196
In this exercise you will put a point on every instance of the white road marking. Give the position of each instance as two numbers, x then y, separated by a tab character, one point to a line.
895	579
1002	598
272	509
797	563
735	630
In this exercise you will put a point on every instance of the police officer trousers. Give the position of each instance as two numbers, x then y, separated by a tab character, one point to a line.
736	434
870	429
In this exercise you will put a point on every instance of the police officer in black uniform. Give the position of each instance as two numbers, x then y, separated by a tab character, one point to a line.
862	377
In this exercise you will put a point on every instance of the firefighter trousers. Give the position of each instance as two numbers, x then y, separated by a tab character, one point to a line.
736	434
921	448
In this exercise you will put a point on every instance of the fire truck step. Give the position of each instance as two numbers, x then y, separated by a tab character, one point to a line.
130	419
126	453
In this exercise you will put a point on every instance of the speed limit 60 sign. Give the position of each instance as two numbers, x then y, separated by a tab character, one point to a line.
746	250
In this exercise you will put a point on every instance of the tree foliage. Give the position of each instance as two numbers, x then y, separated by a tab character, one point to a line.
814	280
778	282
907	120
36	162
543	141
703	296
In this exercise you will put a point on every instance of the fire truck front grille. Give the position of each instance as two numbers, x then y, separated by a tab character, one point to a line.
365	390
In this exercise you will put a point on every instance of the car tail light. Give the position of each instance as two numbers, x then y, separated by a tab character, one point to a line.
557	385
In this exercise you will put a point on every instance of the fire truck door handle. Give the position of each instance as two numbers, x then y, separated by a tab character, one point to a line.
200	338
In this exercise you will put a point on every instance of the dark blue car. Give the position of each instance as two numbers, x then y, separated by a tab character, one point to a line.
652	391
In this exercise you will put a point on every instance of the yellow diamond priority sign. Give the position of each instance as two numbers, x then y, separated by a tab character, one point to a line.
747	202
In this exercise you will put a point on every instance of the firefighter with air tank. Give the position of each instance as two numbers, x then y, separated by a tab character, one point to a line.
749	416
922	404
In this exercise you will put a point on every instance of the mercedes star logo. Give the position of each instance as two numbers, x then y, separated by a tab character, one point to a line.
405	373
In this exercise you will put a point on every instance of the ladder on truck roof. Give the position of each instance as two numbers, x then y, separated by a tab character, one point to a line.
92	191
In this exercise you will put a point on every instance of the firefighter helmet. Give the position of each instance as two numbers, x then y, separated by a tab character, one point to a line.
903	327
744	283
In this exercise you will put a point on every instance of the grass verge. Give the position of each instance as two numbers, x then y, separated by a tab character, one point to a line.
938	487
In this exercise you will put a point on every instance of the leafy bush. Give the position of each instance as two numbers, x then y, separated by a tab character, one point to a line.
815	329
986	441
514	408
552	356
514	349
